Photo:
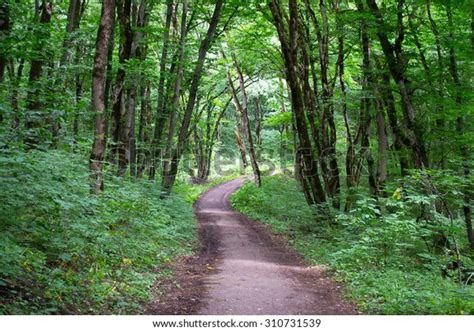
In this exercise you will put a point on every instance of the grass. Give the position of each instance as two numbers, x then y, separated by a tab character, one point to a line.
383	260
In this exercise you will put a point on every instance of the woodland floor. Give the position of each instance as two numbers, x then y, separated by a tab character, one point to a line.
244	269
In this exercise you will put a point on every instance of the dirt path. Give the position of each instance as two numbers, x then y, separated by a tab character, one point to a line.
256	273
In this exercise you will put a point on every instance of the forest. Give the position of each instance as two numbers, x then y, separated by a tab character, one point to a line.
349	122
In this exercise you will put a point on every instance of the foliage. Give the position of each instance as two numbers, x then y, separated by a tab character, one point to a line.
64	251
385	259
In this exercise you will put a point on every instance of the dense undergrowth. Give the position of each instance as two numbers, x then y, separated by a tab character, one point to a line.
391	263
65	251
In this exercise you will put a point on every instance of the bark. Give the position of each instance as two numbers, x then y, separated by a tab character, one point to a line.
15	78
464	149
169	176
120	139
388	102
79	85
4	33
329	165
311	183
258	117
396	65
284	129
160	116
75	11
173	110
353	160
437	82
382	145
204	143
143	157
34	118
240	144
128	136
213	136
139	21
98	94
74	15
242	108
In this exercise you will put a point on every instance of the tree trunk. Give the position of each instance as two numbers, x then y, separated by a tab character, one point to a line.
398	137
173	110
98	93
258	116
160	116
75	11
169	176
119	145
464	149
242	108
396	66
4	33
15	78
382	144
311	183
34	118
143	153
73	20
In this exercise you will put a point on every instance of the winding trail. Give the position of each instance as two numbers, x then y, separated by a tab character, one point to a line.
255	271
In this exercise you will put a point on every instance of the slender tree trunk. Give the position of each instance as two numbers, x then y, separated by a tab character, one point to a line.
311	183
328	158
34	119
212	138
239	143
73	21
143	157
398	137
382	144
4	33
98	93
169	176
464	149
396	66
242	108
128	136
173	110
75	11
75	124
118	147
16	79
258	115
160	116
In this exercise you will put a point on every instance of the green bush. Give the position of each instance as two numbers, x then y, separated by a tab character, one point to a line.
65	251
386	259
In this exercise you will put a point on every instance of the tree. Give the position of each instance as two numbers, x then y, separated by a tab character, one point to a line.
35	118
98	94
169	175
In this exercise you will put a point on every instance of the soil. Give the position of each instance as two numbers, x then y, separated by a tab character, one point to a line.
244	269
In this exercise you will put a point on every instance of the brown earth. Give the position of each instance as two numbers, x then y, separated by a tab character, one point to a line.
244	269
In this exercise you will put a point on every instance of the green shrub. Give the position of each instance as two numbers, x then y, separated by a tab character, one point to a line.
65	251
386	259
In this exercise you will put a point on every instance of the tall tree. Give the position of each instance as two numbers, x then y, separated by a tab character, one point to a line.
241	108
169	175
289	45
160	112
98	94
396	65
35	117
120	131
4	32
